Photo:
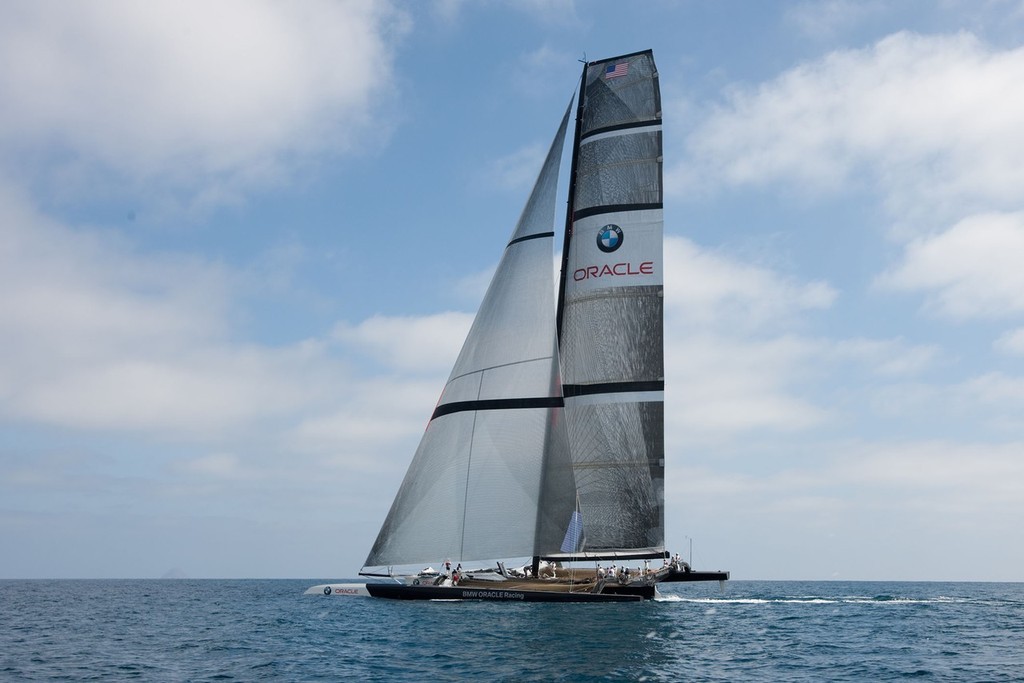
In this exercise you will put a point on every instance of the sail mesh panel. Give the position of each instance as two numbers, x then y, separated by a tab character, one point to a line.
486	482
496	346
622	169
621	485
625	99
611	337
614	335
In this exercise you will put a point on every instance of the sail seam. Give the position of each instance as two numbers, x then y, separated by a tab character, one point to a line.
469	470
498	404
499	365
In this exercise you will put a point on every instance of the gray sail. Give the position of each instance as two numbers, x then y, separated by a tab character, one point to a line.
492	476
610	310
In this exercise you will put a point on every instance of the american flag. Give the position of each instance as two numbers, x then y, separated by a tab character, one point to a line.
616	70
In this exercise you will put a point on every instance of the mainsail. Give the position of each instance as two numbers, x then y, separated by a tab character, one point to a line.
610	309
492	476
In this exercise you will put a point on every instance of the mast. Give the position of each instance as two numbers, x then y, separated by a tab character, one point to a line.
570	201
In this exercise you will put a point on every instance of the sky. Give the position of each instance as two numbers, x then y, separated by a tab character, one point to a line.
241	243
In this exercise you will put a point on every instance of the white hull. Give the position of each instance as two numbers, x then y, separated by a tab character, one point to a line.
357	589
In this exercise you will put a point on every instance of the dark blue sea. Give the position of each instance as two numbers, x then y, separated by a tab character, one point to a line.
246	630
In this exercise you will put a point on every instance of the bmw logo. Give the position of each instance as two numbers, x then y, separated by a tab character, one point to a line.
609	238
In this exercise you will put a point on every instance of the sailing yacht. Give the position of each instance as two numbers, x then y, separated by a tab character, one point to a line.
547	442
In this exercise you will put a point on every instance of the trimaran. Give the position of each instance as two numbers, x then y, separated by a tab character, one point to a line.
548	439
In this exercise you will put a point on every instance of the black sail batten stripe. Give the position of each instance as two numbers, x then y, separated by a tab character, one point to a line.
498	404
615	208
570	390
535	236
649	123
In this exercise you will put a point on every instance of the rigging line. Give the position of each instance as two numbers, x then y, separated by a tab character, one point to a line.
469	466
495	367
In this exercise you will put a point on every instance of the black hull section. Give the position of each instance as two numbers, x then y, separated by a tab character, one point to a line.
401	592
691	575
644	592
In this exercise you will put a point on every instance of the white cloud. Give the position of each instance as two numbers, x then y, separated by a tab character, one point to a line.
409	343
188	92
215	391
558	12
76	290
372	419
909	501
973	270
541	74
991	401
704	288
979	475
927	119
740	357
96	335
886	357
517	170
217	465
730	364
719	385
824	18
1011	342
998	392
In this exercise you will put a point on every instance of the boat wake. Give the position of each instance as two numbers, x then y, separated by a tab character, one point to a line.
816	600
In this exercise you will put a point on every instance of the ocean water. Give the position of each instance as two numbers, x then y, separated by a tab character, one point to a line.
247	630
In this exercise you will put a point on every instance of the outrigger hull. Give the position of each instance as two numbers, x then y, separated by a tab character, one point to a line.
401	592
693	575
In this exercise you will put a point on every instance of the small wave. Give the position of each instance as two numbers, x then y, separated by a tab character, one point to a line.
900	600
